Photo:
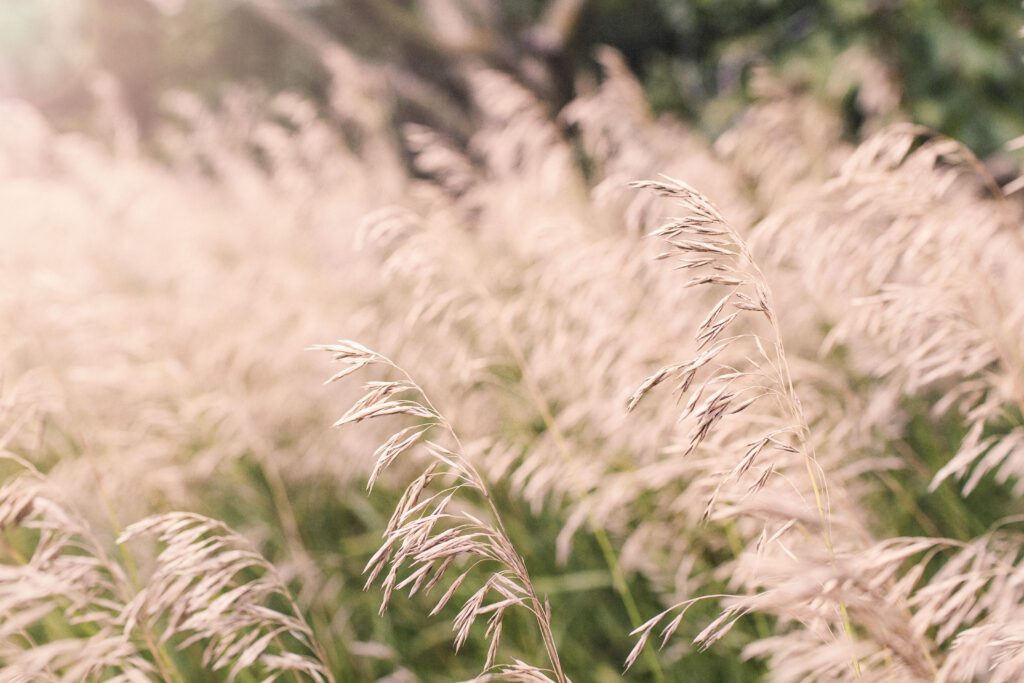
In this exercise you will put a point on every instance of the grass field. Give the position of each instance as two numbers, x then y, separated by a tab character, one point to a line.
291	394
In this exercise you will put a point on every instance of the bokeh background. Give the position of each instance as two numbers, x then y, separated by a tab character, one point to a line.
957	64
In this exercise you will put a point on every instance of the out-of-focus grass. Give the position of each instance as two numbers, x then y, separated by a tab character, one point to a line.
914	509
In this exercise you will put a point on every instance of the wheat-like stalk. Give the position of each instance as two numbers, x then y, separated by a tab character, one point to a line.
200	591
428	535
759	382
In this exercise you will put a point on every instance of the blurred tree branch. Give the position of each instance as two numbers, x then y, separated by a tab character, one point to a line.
558	25
433	53
339	60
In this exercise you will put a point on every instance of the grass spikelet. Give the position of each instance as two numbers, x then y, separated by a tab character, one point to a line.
429	533
200	592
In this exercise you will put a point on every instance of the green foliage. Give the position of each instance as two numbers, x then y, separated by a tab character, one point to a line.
959	63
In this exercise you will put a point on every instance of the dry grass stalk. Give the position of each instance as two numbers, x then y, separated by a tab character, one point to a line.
200	591
197	594
429	536
760	382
